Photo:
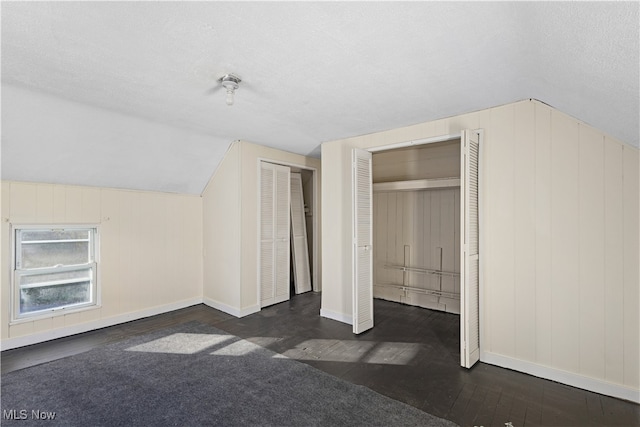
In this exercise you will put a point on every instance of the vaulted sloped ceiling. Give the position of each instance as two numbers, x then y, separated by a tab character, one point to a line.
125	94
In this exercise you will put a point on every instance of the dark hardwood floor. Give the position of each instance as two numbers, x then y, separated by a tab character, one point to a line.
411	355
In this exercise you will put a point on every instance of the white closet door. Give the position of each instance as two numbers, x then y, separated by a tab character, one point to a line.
362	241
274	233
301	273
470	250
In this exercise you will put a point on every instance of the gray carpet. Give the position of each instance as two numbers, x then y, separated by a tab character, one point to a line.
193	375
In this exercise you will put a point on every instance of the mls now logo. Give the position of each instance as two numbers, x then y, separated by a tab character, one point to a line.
23	414
14	414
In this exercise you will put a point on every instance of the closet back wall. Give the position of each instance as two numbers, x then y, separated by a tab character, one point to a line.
419	229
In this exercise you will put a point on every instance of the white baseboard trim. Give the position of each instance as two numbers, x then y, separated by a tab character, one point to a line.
249	310
22	341
237	312
334	315
564	377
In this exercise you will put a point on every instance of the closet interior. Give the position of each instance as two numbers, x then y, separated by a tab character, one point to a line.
416	225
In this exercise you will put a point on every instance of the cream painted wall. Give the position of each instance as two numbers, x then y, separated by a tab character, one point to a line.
560	285
231	202
150	252
221	234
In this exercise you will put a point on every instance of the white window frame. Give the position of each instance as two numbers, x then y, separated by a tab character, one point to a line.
17	272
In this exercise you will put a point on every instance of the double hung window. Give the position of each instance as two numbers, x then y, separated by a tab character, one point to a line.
55	270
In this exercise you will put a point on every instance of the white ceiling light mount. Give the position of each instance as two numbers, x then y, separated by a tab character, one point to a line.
230	82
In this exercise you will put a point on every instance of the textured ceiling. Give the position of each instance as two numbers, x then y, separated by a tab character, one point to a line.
312	72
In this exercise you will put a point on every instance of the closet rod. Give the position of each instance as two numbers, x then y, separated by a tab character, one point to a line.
452	295
417	184
422	270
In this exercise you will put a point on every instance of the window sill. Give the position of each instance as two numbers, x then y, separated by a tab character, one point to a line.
54	313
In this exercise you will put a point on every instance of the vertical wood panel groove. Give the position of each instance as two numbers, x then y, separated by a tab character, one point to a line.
543	234
614	298
515	242
591	223
499	264
579	252
631	272
524	231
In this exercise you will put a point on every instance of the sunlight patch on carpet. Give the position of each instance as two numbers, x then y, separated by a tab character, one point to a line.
182	343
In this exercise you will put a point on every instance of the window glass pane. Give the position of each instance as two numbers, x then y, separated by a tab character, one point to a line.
37	255
39	235
45	291
39	285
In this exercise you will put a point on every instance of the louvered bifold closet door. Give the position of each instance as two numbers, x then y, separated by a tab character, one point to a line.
274	234
362	241
470	249
301	273
267	237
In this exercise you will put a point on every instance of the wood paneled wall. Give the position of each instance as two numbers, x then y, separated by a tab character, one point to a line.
559	219
150	249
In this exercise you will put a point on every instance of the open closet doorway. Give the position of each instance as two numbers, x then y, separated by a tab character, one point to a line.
287	230
416	231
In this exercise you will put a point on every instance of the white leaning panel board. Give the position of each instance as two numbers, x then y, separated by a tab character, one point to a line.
299	247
